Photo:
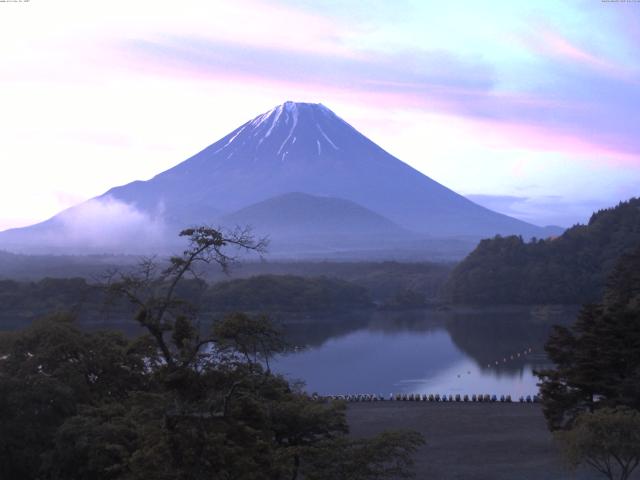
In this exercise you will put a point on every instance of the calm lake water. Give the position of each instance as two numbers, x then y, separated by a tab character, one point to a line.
468	351
490	351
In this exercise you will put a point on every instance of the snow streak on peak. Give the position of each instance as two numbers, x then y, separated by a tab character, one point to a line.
274	121
289	105
292	130
297	107
283	120
294	115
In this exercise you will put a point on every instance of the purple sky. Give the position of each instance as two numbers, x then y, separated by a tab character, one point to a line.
529	108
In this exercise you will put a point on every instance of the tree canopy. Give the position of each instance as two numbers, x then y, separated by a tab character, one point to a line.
176	403
569	269
286	293
597	360
607	440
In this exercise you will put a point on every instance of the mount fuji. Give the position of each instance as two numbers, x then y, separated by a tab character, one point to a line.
295	172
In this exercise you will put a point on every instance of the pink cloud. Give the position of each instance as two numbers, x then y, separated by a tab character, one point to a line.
550	43
492	132
507	119
499	134
558	45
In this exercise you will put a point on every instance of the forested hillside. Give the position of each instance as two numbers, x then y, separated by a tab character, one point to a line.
569	269
286	293
22	302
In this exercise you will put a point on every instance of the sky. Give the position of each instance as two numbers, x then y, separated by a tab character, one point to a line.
529	108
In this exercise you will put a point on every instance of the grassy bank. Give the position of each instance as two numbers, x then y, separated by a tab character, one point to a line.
479	441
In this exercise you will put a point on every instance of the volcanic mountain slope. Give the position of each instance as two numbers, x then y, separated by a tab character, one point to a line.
296	147
303	147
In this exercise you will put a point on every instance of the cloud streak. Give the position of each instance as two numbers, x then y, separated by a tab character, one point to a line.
576	109
410	71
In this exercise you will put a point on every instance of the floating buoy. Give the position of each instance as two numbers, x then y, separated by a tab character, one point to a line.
510	357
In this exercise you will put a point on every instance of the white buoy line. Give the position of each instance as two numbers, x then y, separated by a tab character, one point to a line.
424	397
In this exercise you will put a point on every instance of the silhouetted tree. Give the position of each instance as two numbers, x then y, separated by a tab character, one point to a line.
176	403
597	360
607	440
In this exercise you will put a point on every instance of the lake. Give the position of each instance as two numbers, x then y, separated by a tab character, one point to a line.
464	351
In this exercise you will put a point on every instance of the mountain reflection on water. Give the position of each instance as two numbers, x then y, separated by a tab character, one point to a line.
465	351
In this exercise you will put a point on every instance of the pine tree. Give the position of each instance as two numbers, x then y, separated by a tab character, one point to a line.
597	360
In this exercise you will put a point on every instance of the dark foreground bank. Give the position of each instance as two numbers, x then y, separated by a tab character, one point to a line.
479	441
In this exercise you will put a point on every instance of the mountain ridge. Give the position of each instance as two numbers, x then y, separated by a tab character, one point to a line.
280	148
295	147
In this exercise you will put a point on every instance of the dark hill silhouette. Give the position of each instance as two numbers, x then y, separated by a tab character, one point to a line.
302	223
569	269
300	213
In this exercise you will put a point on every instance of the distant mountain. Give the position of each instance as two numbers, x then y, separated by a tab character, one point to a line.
299	221
296	147
570	269
299	213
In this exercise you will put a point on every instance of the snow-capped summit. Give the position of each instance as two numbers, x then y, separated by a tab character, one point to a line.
306	148
291	129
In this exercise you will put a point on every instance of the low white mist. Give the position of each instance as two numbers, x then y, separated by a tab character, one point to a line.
107	225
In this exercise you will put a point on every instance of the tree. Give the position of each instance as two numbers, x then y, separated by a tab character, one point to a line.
47	373
597	360
591	399
177	403
254	338
608	440
159	310
230	414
